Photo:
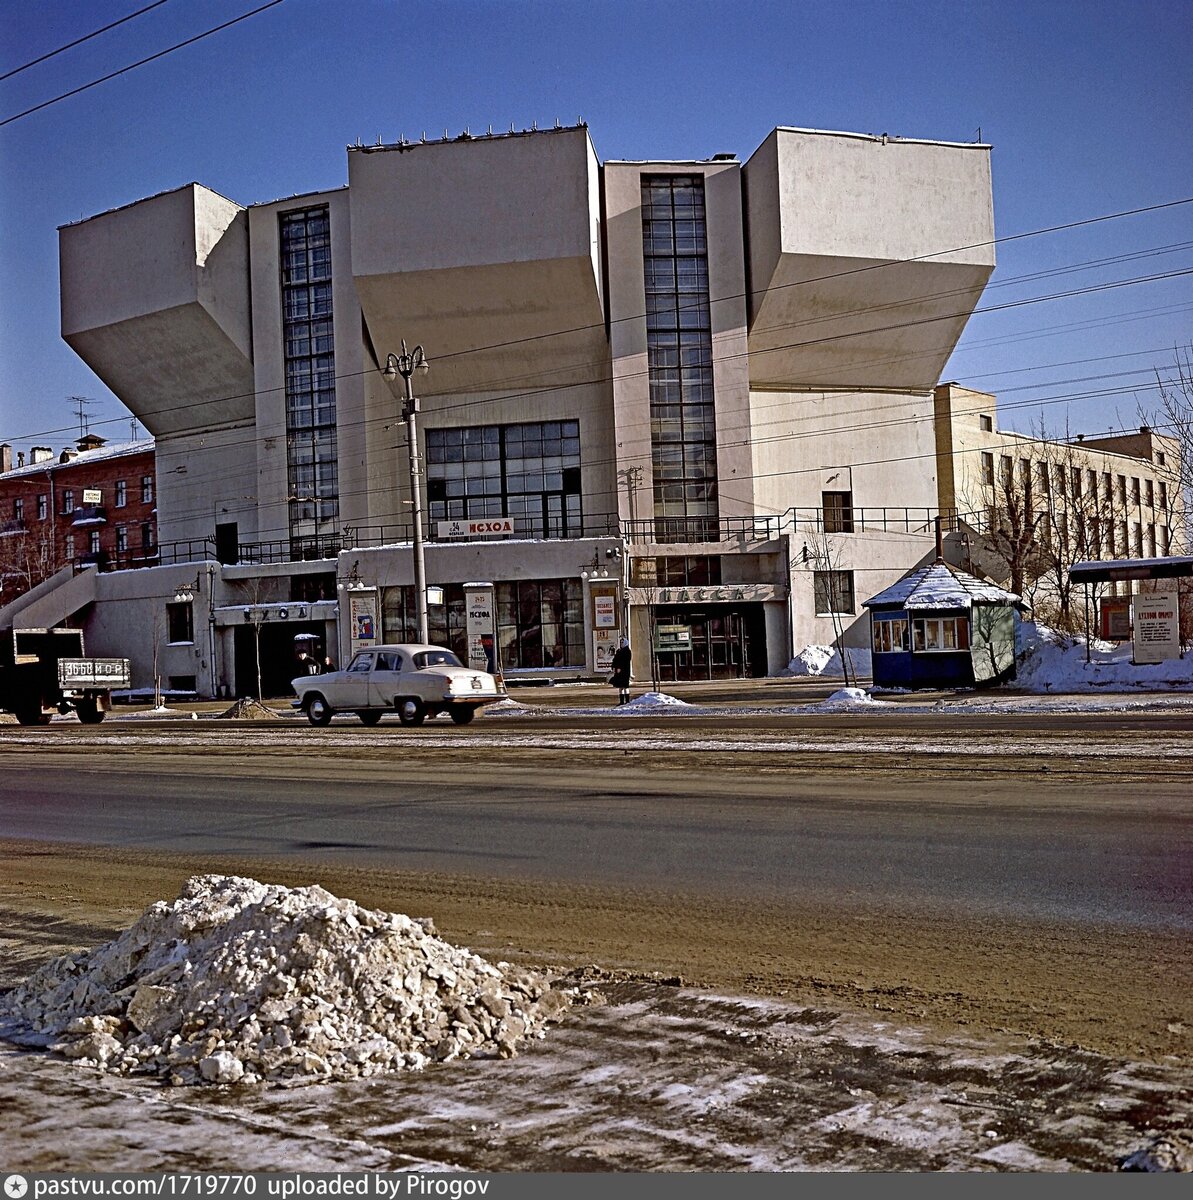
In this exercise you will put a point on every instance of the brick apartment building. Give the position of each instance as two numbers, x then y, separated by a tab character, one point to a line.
95	503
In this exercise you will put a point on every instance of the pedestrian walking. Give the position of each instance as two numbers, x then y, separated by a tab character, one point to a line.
620	678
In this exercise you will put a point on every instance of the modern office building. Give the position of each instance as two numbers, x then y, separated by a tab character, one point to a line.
691	401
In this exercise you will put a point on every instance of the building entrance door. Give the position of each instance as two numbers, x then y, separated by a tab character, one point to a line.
727	642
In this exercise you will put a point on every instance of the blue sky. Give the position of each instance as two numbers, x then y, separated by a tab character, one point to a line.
1086	104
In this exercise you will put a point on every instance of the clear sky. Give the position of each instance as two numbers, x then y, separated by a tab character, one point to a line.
1087	105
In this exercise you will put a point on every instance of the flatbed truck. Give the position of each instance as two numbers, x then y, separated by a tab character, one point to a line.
43	671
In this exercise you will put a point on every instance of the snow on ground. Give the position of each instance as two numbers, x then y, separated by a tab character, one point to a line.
1050	662
826	660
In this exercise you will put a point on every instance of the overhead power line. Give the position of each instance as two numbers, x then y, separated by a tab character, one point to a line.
33	62
140	63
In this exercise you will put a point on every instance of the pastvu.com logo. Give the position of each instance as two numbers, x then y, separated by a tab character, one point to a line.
15	1187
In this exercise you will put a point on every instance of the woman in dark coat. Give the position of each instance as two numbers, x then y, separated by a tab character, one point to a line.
620	678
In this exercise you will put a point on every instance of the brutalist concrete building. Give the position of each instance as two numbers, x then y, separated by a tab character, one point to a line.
687	401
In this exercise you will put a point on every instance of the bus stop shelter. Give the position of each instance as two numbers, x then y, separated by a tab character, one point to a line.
1128	570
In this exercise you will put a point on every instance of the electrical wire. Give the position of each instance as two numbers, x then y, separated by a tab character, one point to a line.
140	63
79	41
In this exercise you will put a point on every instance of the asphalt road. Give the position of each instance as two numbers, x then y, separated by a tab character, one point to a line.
1084	820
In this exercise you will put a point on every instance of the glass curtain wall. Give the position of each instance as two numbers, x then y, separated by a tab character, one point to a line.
540	622
309	354
529	472
679	358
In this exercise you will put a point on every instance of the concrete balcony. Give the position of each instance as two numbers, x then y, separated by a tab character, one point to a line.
487	251
155	300
867	257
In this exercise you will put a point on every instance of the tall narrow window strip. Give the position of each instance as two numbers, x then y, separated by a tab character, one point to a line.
309	356
679	358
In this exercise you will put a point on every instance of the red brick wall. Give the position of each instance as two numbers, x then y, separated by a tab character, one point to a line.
33	548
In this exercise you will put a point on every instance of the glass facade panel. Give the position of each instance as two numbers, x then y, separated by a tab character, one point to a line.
308	351
679	357
528	472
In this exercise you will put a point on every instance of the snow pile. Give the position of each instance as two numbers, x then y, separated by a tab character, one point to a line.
825	660
845	698
240	981
1049	661
655	700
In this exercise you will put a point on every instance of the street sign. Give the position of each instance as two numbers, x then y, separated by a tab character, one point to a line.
466	529
92	496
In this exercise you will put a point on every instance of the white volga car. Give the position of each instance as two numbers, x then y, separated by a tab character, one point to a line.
414	681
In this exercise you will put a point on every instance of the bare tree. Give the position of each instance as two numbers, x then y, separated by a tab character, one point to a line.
25	561
1007	516
828	557
1174	415
1084	519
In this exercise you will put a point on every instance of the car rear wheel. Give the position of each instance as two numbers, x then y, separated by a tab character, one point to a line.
89	711
31	714
411	711
462	715
369	717
319	712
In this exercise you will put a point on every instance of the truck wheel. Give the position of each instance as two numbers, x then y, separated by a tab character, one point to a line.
369	717
319	712
89	711
31	714
411	711
462	715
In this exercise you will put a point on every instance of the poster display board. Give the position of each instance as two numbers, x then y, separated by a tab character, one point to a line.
604	646
1115	612
1157	627
604	606
363	620
481	627
671	639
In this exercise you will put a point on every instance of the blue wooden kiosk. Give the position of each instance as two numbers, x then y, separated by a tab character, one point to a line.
940	627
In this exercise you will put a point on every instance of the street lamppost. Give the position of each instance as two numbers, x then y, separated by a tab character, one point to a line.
405	364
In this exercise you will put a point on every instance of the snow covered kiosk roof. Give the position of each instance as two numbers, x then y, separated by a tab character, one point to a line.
940	586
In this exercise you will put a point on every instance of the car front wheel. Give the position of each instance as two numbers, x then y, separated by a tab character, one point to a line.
411	711
319	712
462	715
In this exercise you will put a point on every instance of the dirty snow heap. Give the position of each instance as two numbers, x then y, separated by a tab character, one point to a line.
240	981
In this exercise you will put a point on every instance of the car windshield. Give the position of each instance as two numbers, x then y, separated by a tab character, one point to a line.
436	658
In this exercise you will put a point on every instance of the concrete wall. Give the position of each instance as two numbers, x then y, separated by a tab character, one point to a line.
879	445
876	560
867	256
486	251
155	300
